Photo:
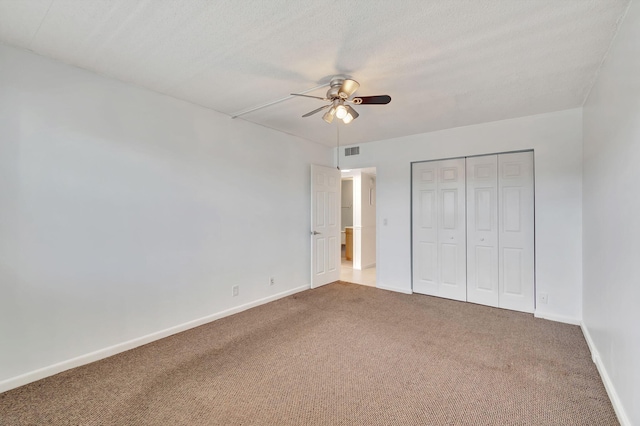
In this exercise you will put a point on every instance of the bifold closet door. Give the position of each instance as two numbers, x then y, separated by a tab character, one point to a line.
439	236
482	230
516	231
500	231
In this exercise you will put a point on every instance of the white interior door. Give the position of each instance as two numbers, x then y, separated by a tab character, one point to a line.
482	230
452	252
325	225
439	237
516	231
425	228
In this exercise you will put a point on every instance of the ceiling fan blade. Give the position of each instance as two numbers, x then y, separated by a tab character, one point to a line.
309	96
372	100
316	110
348	88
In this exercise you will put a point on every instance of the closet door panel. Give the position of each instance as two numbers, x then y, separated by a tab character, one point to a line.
485	273
449	264
425	228
516	231
428	266
482	230
452	229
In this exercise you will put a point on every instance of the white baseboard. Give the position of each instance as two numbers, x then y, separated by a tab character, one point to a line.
396	289
59	367
557	318
608	384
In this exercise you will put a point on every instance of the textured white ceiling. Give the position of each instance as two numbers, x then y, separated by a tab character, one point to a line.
445	63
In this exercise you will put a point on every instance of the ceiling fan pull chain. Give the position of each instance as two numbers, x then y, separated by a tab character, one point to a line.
338	145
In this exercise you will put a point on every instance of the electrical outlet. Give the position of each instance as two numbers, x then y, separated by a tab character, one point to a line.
384	222
235	290
544	298
272	281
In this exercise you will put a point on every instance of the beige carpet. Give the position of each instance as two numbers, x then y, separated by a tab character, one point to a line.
342	354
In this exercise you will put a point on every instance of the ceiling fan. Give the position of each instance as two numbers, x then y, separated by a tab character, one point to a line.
340	90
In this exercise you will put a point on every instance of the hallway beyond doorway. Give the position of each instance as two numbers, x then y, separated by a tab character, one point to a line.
348	274
358	226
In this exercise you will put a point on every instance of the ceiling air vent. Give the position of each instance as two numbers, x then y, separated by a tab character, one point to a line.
352	151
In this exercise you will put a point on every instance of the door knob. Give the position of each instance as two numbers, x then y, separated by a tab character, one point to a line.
316	233
451	238
481	239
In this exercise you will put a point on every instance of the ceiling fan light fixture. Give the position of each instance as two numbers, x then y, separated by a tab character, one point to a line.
339	96
328	116
348	88
341	111
352	114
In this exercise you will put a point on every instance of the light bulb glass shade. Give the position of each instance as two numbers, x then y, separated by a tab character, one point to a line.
328	116
341	112
349	87
352	114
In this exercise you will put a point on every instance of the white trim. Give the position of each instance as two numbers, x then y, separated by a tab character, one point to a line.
606	380
59	367
557	318
396	289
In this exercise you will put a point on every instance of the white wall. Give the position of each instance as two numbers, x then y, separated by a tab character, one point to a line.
557	141
611	227
124	212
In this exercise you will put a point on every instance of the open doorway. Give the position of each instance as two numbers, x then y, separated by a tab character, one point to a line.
358	226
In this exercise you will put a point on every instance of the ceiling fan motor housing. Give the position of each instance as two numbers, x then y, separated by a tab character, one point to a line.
334	88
